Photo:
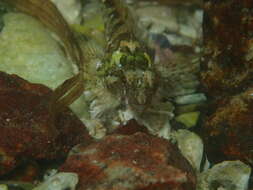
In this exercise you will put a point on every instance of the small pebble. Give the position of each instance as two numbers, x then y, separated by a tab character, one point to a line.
3	187
189	119
180	109
190	99
71	10
227	175
191	146
59	181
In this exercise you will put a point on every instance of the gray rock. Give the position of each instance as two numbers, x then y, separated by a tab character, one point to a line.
70	9
28	49
60	181
3	187
228	175
182	25
191	146
190	99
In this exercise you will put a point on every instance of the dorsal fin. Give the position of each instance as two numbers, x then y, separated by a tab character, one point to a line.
119	24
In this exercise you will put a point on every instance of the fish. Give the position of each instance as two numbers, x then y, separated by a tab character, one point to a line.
125	79
126	56
121	79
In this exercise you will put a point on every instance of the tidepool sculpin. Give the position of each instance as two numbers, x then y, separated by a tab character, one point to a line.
121	78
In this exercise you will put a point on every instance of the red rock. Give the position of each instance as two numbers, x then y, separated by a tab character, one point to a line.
229	130
226	76
28	172
28	129
130	128
227	66
135	162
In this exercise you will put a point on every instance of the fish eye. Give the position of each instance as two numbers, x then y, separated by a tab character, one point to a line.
127	62
136	61
141	61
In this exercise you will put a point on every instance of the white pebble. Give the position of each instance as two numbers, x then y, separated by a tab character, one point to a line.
190	99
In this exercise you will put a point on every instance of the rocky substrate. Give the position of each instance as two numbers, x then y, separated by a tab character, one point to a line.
137	161
227	80
33	132
29	130
42	150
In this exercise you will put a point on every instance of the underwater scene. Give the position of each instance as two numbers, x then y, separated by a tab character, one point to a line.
126	95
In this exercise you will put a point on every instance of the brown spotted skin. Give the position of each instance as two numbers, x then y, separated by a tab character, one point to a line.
27	127
130	162
227	79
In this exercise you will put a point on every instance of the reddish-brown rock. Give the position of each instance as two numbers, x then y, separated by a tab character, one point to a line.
130	128
28	129
228	65
28	172
229	130
227	73
130	162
